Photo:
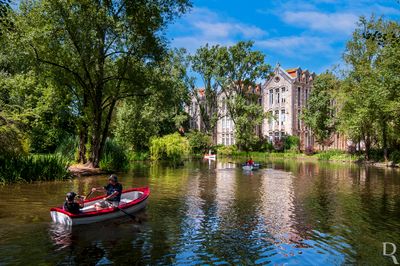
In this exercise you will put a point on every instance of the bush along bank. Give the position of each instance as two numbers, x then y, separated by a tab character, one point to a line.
29	168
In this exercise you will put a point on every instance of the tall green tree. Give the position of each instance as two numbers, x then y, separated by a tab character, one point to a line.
162	112
367	93
97	49
320	113
204	63
237	71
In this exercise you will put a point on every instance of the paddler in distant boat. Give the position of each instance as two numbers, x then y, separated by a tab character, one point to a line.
250	162
114	191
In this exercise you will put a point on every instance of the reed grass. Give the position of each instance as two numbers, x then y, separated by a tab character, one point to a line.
37	167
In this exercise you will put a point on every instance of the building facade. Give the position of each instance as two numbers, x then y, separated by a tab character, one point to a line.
283	97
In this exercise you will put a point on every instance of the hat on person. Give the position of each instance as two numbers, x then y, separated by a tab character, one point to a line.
71	196
113	177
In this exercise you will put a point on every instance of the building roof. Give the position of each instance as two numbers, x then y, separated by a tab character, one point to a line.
292	72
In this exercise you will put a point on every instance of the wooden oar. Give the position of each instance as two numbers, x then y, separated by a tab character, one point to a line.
128	214
90	193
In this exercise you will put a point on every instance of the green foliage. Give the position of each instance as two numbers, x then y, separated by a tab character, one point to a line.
395	156
291	143
230	150
32	168
247	115
320	112
329	155
172	147
204	63
99	63
199	142
68	148
114	157
369	97
12	142
161	112
138	156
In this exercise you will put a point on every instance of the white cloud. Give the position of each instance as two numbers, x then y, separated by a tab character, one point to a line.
205	26
298	46
342	23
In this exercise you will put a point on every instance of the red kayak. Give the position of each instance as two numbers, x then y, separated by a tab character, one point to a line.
132	200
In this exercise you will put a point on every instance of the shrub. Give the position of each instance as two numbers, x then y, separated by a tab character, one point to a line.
33	168
352	149
114	157
199	142
172	147
395	156
330	154
68	147
231	150
278	145
291	143
309	150
138	155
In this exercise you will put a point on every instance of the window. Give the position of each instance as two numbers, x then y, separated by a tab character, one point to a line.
283	95
277	95
277	117
271	97
298	120
282	116
298	96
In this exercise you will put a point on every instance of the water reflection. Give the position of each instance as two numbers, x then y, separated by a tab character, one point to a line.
288	212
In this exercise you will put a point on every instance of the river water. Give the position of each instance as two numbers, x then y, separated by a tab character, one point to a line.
288	212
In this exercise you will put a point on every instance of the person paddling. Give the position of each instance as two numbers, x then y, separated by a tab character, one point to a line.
250	162
72	206
114	191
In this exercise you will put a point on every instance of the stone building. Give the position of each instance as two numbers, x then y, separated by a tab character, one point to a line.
285	95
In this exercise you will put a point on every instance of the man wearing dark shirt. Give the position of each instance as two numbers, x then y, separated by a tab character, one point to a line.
114	191
70	205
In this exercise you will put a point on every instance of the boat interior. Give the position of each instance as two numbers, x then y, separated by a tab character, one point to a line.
125	198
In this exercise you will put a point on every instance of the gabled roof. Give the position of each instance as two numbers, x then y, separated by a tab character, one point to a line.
293	71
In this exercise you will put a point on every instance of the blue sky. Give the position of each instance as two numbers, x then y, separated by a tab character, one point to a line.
310	34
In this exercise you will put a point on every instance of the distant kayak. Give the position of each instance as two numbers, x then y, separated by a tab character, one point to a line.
210	156
132	200
252	167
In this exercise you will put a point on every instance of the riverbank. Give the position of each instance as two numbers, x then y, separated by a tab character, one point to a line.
79	170
331	156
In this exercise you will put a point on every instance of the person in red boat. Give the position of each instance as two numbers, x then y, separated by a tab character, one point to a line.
250	162
114	191
73	203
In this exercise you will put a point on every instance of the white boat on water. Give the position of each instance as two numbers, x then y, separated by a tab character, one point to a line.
132	200
210	156
252	167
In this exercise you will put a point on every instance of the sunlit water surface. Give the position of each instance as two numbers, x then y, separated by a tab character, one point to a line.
294	213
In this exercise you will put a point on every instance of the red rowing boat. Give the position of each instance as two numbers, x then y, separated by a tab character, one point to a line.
132	200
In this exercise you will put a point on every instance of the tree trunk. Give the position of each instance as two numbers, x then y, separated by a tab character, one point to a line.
83	138
95	153
384	138
83	133
106	127
367	142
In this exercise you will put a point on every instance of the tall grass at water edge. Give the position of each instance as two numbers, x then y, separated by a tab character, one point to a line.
31	168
